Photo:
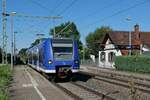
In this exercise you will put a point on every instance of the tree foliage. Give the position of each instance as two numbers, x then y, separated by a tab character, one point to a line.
94	38
37	41
85	53
68	30
22	54
0	55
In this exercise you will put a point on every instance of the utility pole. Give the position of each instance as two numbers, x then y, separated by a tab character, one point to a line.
4	45
15	47
130	38
12	38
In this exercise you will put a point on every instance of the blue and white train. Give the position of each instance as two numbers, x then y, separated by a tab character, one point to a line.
54	56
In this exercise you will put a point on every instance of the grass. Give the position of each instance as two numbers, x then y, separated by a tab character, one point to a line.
5	79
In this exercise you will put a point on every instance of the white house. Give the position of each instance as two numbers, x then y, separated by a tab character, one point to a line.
116	43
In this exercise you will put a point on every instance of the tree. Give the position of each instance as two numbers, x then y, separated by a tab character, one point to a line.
94	38
68	30
23	55
9	58
0	55
37	41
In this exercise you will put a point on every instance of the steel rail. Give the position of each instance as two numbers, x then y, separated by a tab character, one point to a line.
124	84
104	96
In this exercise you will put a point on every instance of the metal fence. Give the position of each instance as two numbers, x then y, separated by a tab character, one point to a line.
90	62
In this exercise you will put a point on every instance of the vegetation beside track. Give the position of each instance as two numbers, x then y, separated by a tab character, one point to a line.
140	64
5	79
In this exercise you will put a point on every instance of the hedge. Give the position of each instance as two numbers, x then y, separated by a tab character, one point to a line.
133	63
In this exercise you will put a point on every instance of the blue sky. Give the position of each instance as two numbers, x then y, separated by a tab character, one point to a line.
87	15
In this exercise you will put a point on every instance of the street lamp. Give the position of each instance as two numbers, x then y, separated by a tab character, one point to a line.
129	20
12	14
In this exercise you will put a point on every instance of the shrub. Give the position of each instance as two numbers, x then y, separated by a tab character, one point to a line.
133	63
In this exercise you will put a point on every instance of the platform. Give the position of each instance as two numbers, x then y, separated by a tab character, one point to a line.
30	85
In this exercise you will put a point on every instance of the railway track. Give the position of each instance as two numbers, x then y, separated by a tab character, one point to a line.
80	92
120	81
122	75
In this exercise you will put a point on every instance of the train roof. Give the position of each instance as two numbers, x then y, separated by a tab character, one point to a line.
54	39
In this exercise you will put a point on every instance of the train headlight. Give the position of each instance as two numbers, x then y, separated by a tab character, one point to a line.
49	62
76	61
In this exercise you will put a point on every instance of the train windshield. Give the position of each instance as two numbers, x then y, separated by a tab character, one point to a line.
62	49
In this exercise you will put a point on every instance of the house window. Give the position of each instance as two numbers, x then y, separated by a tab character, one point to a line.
111	57
102	56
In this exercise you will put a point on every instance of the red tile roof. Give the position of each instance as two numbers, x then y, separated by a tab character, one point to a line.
121	38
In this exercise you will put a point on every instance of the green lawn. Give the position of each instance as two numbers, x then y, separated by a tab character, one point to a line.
5	79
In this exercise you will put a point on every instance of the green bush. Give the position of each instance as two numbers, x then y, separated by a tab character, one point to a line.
133	63
5	78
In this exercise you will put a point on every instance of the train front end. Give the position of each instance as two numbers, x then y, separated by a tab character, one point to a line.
65	57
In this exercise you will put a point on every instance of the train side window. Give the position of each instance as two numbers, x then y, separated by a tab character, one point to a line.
41	55
35	58
102	56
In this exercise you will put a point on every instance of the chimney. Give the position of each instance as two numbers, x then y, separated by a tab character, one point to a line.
137	31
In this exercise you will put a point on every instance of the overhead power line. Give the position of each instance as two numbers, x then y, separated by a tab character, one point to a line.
47	9
63	11
101	9
57	6
38	17
67	7
40	5
52	11
118	12
91	14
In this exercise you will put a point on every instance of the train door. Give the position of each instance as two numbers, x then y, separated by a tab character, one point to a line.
37	54
32	58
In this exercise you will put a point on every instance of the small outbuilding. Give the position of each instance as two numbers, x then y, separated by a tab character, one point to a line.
122	43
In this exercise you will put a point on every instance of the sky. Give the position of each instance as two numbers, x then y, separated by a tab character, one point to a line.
86	14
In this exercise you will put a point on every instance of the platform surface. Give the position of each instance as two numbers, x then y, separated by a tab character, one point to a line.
30	85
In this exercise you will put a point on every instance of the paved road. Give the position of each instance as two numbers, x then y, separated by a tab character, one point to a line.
30	85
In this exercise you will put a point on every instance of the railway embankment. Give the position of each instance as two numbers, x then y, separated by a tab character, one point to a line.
119	84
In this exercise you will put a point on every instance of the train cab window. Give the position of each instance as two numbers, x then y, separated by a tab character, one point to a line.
102	56
62	50
111	57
